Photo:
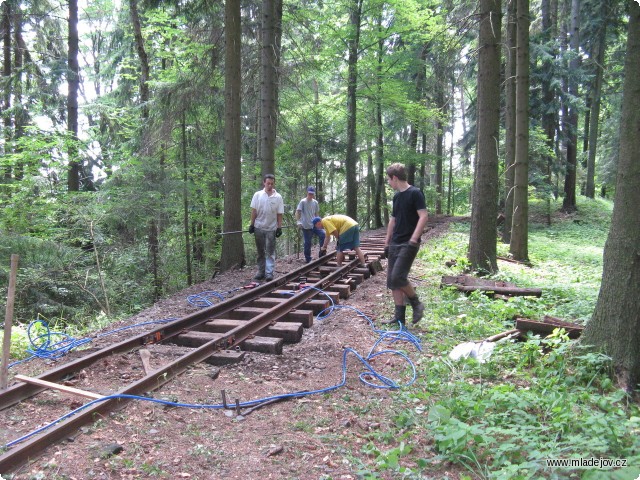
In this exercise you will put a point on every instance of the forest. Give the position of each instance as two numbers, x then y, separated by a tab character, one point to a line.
135	133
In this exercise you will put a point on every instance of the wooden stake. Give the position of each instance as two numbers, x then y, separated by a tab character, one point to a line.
8	322
145	356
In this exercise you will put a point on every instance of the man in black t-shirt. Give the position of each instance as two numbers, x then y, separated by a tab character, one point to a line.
408	219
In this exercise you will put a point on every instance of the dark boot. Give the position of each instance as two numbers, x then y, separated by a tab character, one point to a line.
399	316
418	309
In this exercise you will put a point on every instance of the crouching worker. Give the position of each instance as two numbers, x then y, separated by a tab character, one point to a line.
346	231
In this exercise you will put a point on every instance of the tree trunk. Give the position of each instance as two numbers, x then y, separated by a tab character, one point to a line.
21	116
153	237
615	325
549	123
73	82
571	130
317	151
482	241
142	57
520	221
6	73
379	199
185	200
379	127
351	154
270	59
594	118
450	202
412	143
232	244
509	119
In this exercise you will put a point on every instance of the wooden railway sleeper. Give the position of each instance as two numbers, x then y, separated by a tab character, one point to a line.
22	452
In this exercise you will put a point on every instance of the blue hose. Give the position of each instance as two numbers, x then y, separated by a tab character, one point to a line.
369	377
42	345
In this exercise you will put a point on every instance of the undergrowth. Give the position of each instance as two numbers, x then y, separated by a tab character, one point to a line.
533	400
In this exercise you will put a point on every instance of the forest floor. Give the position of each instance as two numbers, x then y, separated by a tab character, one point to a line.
319	436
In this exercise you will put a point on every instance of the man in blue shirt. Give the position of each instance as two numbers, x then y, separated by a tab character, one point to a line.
307	209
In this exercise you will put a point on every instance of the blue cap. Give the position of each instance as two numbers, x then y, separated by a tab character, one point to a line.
315	220
311	190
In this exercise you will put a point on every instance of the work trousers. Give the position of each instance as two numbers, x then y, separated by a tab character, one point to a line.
266	250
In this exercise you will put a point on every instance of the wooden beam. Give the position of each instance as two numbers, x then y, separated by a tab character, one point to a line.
57	386
548	326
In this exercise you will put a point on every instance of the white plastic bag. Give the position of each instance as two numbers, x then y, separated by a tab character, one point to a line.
480	351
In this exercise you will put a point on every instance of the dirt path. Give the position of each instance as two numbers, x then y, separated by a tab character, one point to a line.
318	436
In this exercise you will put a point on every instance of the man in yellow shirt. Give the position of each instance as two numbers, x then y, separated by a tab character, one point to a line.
346	231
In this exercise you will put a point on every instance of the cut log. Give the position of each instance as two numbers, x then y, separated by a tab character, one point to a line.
494	338
465	283
512	291
511	260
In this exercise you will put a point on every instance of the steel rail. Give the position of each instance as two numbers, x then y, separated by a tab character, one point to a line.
32	447
20	391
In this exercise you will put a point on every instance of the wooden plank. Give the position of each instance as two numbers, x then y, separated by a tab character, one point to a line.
305	317
343	291
288	331
525	324
315	306
57	386
255	344
335	296
195	339
263	345
225	357
364	271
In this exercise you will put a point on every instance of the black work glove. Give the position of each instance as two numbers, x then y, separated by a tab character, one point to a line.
322	252
252	229
386	251
278	232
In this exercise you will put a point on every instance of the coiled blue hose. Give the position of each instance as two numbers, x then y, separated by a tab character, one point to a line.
41	346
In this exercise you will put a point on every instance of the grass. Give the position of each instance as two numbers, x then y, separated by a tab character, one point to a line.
543	398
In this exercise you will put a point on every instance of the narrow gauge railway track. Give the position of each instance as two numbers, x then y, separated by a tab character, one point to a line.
259	319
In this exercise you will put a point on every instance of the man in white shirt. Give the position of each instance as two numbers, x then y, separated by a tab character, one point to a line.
307	209
267	208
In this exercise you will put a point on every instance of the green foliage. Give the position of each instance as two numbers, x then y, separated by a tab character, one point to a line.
532	400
